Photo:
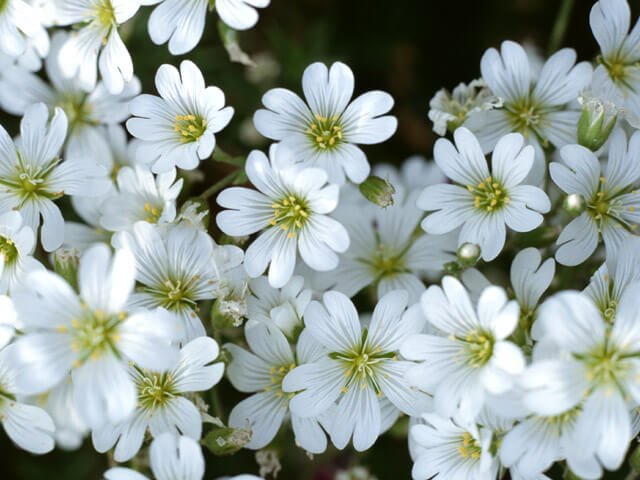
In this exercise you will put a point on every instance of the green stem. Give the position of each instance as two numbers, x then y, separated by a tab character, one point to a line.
632	475
560	27
215	396
220	155
219	185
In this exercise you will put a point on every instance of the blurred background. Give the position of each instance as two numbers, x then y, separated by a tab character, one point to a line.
410	48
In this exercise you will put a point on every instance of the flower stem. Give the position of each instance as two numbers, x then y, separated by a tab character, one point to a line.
235	178
560	27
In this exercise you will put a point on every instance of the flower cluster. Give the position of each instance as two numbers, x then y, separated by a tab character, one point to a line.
334	297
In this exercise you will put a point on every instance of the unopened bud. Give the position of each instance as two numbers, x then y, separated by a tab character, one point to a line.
596	122
227	440
574	204
378	190
65	264
468	254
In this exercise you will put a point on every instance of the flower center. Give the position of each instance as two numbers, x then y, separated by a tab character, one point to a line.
606	204
153	214
469	447
3	4
478	347
78	111
325	133
104	13
276	375
190	127
174	294
154	390
489	195
8	250
362	365
386	263
606	365
94	334
524	116
290	214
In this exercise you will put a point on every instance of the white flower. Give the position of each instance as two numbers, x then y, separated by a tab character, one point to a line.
449	451
141	197
482	201
591	364
327	131
172	457
612	205
262	372
17	243
92	335
530	278
283	307
98	34
88	113
181	22
32	174
471	358
291	207
163	403
232	282
177	129
20	24
361	369
450	110
613	277
388	248
174	270
535	443
30	427
617	76
82	235
540	107
416	173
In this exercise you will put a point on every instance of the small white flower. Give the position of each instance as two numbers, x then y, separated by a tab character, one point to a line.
612	204
141	197
20	24
262	372
540	107
163	403
98	35
291	207
361	369
181	22
17	243
450	110
30	427
177	129
482	201
92	335
326	130
530	278
617	76
449	451
88	113
471	357
592	365
82	235
613	277
283	307
172	457
32	174
389	250
174	270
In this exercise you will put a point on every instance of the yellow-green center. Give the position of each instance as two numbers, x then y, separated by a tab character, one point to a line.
154	389
8	250
325	132
478	347
489	195
290	213
190	127
469	447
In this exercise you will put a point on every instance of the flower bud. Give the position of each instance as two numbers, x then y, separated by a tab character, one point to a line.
65	264
596	122
468	254
227	440
574	204
378	190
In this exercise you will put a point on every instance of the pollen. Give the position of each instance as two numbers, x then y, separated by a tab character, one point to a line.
325	133
190	127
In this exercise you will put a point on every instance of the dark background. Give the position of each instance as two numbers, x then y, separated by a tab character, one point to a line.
410	48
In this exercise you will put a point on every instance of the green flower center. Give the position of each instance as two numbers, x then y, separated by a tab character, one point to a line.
290	213
469	447
104	13
8	250
606	365
190	127
478	347
3	4
325	133
387	263
524	115
154	390
94	334
152	214
276	375
489	195
606	205
29	181
174	295
77	109
362	364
